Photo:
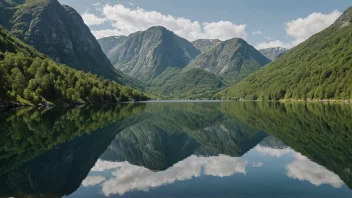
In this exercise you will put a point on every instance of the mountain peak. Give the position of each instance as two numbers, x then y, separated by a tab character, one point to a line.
232	59
146	54
59	32
345	19
158	28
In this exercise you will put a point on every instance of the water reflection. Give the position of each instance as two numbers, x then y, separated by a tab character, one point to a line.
128	177
304	169
178	150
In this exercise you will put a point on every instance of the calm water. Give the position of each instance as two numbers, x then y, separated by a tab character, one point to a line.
179	149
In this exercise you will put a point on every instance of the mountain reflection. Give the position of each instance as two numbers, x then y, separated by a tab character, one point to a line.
120	149
169	133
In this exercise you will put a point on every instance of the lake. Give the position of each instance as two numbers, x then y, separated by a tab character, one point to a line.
178	149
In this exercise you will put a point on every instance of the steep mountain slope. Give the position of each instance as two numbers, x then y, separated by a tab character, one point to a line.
274	52
59	32
145	55
108	43
205	44
28	77
319	68
233	60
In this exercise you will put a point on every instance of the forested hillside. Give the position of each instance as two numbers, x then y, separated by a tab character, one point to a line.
319	68
29	77
59	32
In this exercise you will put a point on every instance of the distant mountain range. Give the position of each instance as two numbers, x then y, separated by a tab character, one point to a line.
108	43
319	68
205	44
171	66
274	52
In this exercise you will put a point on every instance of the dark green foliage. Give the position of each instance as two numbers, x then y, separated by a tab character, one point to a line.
48	152
187	84
28	132
319	68
43	80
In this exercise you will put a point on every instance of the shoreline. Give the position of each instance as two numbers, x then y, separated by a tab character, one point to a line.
12	104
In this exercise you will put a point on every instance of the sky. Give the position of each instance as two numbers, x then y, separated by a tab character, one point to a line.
263	24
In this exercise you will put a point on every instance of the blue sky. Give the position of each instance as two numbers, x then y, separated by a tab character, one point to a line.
262	23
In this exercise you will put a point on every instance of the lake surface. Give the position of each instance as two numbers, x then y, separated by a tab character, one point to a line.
178	149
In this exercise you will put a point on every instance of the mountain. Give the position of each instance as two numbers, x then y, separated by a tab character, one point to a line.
205	44
191	84
273	53
319	68
60	33
108	43
145	55
232	59
29	77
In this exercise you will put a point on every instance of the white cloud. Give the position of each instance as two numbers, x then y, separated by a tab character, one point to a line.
91	19
303	28
257	33
304	169
130	177
126	21
270	44
92	180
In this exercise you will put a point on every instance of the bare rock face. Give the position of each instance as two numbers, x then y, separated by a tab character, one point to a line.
345	19
274	52
110	42
232	59
60	33
205	44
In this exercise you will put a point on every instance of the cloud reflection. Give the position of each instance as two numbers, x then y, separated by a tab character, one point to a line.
273	151
130	177
304	169
92	180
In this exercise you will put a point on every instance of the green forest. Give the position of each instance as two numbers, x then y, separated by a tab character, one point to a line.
28	77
